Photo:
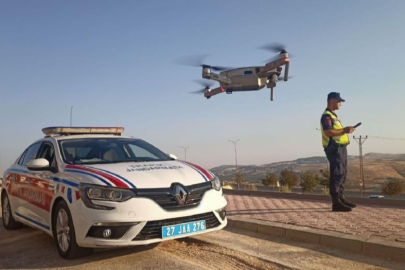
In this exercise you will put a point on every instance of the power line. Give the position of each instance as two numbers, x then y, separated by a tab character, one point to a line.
387	138
360	141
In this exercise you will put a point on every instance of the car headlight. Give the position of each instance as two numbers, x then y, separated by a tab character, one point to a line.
100	193
216	184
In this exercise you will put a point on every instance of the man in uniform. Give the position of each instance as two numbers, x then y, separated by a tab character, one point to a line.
335	141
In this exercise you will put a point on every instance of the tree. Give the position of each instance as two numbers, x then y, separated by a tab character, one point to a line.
323	179
288	177
239	179
270	180
393	187
309	181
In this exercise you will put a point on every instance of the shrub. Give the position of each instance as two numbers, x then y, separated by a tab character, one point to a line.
323	179
239	179
251	187
309	182
288	177
285	189
393	187
270	180
325	191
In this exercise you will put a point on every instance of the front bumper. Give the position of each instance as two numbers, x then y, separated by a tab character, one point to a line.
145	219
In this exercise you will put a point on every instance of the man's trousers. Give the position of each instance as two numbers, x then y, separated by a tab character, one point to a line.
338	170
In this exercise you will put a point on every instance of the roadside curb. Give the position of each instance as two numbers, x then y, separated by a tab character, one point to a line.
312	197
370	247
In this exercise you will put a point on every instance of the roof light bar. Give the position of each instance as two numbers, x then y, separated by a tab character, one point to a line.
48	131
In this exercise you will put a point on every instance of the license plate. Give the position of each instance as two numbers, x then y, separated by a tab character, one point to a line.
183	229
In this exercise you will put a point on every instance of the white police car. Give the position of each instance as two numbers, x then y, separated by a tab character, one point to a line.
93	188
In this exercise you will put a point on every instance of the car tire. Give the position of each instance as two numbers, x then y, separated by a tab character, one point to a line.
7	216
64	233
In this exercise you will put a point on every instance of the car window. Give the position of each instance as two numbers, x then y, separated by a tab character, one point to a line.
31	153
108	150
21	158
47	152
140	152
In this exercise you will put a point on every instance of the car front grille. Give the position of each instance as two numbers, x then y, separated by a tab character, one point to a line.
153	229
165	196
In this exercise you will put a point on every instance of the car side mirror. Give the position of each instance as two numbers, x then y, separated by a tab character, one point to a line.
172	157
38	164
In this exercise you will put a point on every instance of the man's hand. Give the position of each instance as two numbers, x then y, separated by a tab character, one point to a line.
349	130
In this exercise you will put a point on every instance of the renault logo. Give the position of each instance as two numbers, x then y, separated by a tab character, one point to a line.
180	194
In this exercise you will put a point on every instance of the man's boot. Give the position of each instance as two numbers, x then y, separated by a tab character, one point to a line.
338	206
346	202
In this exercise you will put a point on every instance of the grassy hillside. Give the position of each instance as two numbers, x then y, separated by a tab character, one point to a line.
377	168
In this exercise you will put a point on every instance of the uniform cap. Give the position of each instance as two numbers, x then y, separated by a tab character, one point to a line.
335	95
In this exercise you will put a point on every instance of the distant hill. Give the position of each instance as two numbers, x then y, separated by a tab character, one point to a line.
377	168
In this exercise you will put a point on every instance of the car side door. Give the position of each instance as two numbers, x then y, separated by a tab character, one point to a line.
18	181
41	186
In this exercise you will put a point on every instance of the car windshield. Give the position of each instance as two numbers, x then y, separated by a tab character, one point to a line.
108	150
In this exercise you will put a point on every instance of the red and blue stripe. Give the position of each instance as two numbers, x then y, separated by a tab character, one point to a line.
106	177
208	176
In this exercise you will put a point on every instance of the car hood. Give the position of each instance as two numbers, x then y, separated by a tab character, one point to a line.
159	174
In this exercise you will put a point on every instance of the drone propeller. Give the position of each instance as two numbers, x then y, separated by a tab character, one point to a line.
203	83
275	47
198	91
281	78
198	61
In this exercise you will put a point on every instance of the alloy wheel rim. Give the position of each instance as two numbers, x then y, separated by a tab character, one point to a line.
6	211
63	230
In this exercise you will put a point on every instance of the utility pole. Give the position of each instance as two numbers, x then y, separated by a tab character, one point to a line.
236	156
71	113
360	141
185	152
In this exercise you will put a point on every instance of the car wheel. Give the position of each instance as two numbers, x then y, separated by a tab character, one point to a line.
64	233
8	220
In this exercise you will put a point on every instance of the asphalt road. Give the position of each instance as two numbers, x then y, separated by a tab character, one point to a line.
227	249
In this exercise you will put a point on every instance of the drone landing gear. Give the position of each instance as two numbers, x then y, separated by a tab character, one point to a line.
272	94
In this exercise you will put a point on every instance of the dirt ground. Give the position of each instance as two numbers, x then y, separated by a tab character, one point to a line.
28	248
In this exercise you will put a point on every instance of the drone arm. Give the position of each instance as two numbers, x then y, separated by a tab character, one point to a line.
213	92
216	77
287	66
273	65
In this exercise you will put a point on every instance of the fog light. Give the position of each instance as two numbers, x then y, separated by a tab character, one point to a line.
107	233
110	230
222	213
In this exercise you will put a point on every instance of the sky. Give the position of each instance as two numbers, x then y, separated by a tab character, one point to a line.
115	63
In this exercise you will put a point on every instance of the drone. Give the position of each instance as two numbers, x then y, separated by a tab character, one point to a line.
245	78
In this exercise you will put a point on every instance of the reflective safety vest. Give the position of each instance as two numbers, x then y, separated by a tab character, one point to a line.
342	139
